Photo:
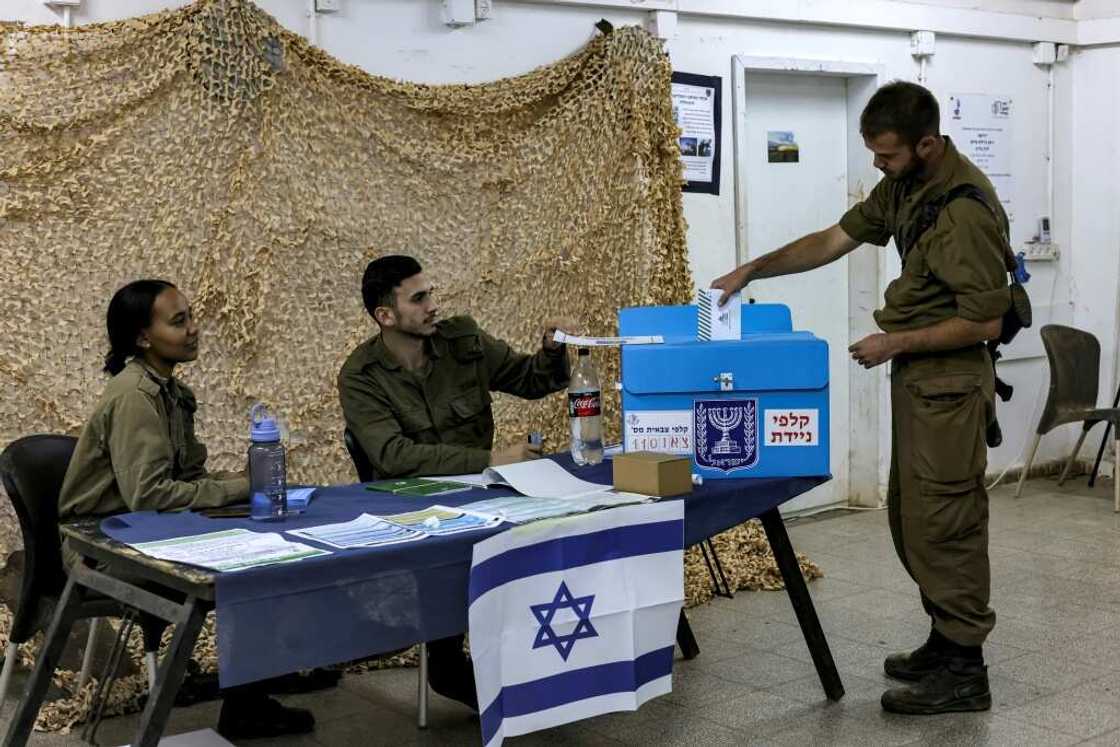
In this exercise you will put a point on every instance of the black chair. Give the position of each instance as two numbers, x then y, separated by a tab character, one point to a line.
32	469
358	456
1075	360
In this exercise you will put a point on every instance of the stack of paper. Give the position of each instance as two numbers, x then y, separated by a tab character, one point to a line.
364	531
524	509
376	531
230	550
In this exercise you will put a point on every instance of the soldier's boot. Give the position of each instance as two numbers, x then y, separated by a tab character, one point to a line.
911	666
957	685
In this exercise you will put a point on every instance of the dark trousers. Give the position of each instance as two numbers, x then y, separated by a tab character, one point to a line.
937	504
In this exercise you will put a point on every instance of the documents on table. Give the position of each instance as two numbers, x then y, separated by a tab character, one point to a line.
417	486
715	322
377	531
298	498
474	480
229	550
437	521
542	478
606	342
523	509
365	531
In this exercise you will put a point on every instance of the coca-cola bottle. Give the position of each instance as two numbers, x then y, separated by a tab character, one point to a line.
585	411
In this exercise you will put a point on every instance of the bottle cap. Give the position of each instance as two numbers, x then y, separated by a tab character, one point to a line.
263	428
584	351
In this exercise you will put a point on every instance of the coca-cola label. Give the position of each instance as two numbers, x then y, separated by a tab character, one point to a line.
583	404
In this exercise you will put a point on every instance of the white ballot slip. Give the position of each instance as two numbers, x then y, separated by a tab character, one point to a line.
715	322
540	478
606	342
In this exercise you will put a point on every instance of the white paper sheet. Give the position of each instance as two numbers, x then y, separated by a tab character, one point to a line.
606	342
525	509
542	478
715	322
437	521
365	531
229	550
200	738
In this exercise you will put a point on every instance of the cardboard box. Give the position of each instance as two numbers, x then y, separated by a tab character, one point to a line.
651	473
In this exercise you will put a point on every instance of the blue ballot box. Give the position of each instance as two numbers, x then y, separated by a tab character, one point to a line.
753	407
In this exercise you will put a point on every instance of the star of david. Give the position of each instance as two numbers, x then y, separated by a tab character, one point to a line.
544	613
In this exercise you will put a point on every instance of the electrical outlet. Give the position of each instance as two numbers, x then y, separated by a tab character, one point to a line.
458	12
923	43
1041	251
328	6
483	9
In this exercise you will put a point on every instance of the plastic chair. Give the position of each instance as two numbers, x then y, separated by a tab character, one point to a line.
32	470
1075	358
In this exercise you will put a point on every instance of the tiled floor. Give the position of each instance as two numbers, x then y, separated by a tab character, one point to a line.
1054	655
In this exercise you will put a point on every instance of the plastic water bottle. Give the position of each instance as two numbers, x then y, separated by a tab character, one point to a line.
268	484
585	411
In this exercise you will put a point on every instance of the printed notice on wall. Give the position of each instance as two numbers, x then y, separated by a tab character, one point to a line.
665	431
696	109
980	126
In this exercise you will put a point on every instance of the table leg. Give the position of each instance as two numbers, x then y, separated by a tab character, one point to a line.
64	616
422	689
802	603
690	649
170	675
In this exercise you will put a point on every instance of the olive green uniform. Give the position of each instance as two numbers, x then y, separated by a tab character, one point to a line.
439	421
941	402
138	452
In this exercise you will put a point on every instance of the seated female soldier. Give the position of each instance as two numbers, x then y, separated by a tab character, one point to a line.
138	452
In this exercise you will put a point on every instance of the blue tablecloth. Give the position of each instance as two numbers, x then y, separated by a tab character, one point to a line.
356	603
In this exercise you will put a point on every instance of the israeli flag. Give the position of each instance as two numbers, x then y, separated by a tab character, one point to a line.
575	617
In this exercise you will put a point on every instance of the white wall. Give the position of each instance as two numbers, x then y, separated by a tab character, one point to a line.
406	39
1095	259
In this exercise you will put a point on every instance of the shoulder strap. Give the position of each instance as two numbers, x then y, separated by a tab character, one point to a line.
907	236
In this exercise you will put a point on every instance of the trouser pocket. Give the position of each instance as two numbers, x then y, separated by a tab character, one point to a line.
952	511
950	414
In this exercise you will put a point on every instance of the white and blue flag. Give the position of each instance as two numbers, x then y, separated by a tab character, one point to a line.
575	617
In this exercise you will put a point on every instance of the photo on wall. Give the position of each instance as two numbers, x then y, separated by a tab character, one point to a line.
781	147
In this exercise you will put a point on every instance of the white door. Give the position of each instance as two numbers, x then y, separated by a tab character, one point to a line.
796	183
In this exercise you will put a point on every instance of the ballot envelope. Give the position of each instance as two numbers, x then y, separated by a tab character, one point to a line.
753	407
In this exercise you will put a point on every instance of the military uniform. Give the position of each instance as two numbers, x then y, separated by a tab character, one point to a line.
439	421
138	452
941	402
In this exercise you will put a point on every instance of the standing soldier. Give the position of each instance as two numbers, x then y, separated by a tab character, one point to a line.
951	234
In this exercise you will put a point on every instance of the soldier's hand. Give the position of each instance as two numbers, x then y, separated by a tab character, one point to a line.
874	350
732	283
513	454
564	324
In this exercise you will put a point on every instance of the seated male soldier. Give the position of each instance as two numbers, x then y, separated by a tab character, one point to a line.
417	398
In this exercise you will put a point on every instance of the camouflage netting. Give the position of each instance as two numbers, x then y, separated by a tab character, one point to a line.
212	147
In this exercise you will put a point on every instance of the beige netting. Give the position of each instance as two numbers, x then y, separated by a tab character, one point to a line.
210	146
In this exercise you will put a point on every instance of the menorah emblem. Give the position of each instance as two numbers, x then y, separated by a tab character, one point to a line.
726	419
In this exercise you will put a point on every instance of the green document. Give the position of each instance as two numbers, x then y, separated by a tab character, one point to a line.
417	486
